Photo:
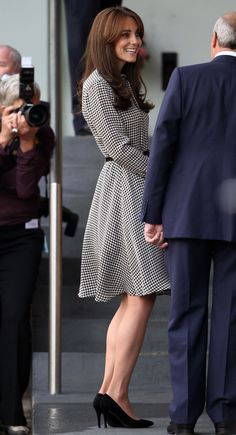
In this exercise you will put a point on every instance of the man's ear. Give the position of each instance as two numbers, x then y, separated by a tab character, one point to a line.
2	108
214	40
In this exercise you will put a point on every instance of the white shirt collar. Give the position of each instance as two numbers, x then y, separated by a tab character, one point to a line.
226	53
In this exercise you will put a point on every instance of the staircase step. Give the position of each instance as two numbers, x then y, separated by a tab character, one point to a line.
75	307
89	335
82	372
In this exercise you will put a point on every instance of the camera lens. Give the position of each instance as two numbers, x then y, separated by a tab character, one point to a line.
37	115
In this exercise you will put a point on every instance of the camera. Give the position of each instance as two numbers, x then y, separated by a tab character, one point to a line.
71	219
36	115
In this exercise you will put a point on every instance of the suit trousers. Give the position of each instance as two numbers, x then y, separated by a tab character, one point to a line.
196	380
20	254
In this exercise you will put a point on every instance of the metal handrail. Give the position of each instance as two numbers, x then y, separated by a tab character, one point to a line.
55	256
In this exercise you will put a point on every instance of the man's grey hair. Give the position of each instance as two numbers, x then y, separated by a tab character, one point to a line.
15	57
226	33
9	89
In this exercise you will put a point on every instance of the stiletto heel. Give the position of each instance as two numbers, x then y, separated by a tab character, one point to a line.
97	407
98	417
111	409
111	420
105	420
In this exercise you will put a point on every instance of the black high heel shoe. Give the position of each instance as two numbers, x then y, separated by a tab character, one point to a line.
111	409
97	404
98	408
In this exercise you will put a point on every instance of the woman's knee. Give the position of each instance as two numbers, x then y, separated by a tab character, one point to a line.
142	303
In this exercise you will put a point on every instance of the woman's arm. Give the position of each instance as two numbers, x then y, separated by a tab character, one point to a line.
32	162
108	125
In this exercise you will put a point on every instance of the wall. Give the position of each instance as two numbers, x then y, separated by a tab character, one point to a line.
24	25
183	26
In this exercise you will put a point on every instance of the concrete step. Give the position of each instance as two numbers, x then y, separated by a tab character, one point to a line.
82	373
84	321
75	307
89	335
71	412
74	419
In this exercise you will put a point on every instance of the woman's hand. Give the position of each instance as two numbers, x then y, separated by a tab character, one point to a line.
26	133
14	124
8	127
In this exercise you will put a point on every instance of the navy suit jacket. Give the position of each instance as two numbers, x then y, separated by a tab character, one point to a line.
193	154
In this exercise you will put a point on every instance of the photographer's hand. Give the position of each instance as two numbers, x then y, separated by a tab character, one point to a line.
8	127
26	133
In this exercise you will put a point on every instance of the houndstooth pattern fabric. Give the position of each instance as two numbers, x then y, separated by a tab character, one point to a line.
115	256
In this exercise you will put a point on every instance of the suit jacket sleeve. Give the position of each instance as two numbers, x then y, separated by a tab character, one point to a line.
163	148
108	127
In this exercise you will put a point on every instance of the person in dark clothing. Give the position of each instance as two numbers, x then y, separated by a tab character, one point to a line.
24	158
188	207
79	17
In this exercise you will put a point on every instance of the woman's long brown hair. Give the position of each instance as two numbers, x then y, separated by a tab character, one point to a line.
100	55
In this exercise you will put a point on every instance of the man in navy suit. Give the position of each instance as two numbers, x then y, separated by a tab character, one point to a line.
187	208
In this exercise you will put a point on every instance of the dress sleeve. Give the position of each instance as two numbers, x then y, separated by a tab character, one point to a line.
108	127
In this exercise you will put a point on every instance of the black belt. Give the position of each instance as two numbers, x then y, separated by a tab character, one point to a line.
110	159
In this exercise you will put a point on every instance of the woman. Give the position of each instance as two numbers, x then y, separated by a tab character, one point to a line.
116	259
24	157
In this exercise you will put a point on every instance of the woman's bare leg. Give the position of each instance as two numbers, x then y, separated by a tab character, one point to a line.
127	339
111	345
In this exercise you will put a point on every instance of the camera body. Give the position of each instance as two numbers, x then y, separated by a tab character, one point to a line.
36	115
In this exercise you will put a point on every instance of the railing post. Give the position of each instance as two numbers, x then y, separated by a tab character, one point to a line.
55	263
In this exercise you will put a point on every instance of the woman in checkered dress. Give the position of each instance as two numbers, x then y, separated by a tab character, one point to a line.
116	260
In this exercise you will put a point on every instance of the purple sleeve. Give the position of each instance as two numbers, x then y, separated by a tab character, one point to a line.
6	161
33	164
2	154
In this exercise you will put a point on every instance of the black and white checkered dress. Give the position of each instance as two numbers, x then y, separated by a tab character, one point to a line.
116	258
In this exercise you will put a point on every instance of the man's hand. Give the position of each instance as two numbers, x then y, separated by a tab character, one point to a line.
154	235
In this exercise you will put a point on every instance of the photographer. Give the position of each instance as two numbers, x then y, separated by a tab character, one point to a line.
25	153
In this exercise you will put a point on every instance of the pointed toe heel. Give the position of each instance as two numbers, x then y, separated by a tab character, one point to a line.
111	409
108	419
